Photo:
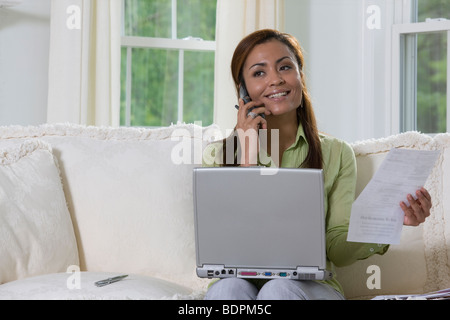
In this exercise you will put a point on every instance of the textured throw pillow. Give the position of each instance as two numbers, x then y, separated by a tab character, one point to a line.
36	232
419	263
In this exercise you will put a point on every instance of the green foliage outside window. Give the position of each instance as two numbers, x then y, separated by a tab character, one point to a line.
154	85
432	70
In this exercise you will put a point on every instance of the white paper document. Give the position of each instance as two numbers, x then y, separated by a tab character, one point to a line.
376	215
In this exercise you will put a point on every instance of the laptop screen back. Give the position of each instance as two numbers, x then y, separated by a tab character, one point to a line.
246	218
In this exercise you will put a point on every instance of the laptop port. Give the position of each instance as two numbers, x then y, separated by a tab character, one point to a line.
248	273
231	271
283	274
210	273
267	274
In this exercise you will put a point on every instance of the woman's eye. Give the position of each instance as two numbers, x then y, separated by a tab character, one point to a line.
285	68
258	73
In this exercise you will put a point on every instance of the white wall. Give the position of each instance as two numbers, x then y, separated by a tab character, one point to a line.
347	64
24	52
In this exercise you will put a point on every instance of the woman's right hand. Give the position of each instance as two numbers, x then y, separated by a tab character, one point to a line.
248	125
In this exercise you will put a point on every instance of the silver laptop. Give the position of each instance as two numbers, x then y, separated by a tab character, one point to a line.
260	223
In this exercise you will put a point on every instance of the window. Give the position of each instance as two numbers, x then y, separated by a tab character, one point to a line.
422	48
167	64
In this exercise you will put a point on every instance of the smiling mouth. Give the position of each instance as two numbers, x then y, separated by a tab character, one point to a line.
278	95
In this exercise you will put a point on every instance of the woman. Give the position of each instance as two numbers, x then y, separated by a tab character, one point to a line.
270	65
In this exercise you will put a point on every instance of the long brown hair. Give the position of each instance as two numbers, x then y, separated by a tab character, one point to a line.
305	112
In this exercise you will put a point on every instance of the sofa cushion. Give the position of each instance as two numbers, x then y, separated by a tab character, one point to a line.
438	232
129	191
80	286
419	264
36	232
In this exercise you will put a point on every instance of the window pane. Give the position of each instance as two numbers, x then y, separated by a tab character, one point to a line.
432	82
154	72
148	18
154	87
433	9
198	100
408	108
196	18
123	81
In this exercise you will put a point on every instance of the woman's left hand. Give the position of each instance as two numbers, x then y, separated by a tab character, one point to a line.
418	209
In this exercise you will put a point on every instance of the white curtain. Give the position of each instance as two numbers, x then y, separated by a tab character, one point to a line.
235	20
84	71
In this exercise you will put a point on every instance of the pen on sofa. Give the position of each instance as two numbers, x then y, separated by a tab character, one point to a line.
105	282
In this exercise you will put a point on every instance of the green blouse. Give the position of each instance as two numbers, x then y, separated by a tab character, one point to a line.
339	165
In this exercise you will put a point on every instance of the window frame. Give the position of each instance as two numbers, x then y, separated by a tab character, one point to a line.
403	119
181	45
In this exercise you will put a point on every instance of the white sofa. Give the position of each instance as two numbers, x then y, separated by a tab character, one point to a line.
80	204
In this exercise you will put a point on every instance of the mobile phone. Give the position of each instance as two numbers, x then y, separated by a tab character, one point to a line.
243	94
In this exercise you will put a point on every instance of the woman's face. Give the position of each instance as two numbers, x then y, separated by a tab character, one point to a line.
272	77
